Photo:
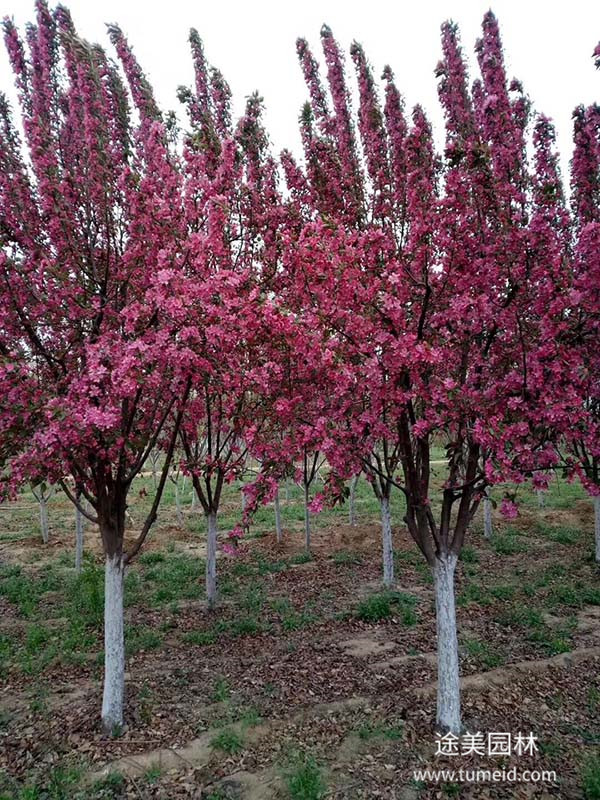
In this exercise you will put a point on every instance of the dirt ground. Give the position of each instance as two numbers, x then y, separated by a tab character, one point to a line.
308	681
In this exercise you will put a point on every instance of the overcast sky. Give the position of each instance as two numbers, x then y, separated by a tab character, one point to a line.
548	46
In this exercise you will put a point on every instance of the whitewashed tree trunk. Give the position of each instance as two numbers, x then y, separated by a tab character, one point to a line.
178	511
597	526
114	645
352	501
78	540
306	520
448	693
277	516
43	517
541	496
386	538
211	561
487	516
194	499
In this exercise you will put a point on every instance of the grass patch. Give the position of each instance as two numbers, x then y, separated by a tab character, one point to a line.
575	595
469	555
228	741
347	557
221	692
304	780
384	605
140	638
201	638
590	778
482	652
370	731
474	593
509	544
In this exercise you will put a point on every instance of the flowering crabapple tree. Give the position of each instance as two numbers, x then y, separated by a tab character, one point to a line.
95	373
583	440
436	287
230	193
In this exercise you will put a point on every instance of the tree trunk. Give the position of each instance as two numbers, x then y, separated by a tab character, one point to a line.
352	501
211	561
194	499
306	520
114	645
597	526
178	511
541	496
388	548
487	516
78	539
43	517
448	693
277	516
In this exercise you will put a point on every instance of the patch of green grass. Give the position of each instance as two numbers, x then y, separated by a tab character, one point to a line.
221	692
176	577
575	595
252	600
304	780
474	593
370	730
245	626
469	555
201	638
504	591
292	620
266	567
140	637
554	640
59	783
593	700
153	557
301	558
509	544
229	741
111	786
451	789
590	778
153	773
347	557
26	591
566	536
249	717
482	652
386	604
521	616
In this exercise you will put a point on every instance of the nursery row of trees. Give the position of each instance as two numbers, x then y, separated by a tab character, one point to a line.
192	292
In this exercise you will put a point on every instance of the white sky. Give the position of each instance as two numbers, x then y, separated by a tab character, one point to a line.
548	46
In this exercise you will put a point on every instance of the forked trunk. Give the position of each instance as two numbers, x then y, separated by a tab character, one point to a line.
352	501
597	526
448	693
277	516
78	540
211	560
386	537
114	645
306	520
487	516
